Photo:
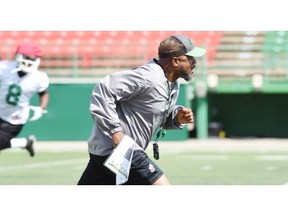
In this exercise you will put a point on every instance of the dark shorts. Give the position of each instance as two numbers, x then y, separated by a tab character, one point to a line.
143	171
7	132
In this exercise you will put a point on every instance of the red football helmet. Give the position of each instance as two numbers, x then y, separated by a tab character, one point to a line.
28	56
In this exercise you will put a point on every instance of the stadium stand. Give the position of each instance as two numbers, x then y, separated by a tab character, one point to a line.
86	50
90	53
244	53
275	52
239	54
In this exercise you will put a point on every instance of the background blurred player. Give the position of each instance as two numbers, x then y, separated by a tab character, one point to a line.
20	79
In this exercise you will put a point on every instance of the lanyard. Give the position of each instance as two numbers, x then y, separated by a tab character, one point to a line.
162	132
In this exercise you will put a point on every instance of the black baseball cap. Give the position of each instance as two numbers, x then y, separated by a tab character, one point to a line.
177	45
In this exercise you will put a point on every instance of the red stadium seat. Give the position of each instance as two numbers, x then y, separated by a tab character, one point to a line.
101	46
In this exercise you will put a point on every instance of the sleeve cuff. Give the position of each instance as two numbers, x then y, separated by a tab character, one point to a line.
115	130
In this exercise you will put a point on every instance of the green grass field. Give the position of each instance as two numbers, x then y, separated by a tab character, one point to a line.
183	166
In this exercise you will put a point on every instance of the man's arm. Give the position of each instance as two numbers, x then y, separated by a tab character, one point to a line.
108	93
44	99
40	110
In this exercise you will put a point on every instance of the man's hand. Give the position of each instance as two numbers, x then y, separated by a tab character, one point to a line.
38	112
117	138
185	116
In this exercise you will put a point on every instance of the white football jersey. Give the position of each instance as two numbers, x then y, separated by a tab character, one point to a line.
16	92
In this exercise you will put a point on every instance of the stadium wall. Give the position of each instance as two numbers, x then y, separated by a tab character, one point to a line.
68	117
250	114
243	111
236	108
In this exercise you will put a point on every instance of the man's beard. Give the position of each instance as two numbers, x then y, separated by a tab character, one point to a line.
185	75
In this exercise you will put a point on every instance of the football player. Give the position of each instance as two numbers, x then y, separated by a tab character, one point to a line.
20	79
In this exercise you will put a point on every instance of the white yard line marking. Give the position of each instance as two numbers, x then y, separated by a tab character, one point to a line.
206	157
206	167
272	157
270	168
45	164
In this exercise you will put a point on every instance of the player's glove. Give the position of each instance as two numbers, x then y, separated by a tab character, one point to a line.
37	113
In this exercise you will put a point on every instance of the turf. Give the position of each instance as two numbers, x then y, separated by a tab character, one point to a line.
182	168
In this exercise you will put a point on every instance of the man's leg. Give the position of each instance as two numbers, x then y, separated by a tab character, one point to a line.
162	181
8	132
145	171
96	173
5	140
